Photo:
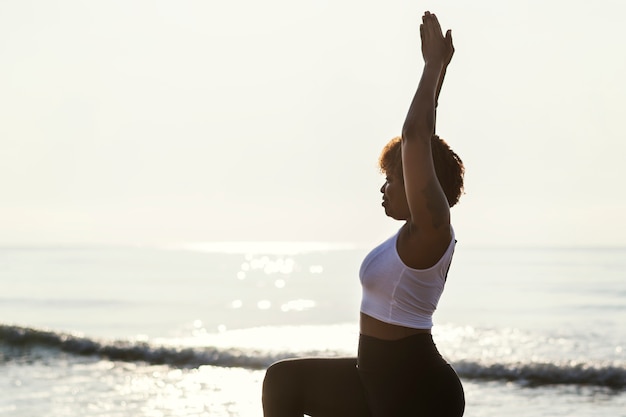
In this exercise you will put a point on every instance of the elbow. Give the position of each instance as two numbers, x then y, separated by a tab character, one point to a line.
418	128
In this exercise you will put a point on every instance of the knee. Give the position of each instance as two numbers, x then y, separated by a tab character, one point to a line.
278	375
279	393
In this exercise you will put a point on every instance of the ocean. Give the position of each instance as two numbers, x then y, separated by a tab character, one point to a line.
188	330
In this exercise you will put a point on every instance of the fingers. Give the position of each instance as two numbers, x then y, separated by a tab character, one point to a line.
430	21
426	21
435	46
435	26
450	45
449	39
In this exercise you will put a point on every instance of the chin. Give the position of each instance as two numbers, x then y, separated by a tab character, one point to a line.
391	215
396	216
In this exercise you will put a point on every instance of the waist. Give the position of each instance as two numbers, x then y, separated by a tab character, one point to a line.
386	331
415	353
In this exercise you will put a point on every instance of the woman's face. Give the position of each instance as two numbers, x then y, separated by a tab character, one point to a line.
394	197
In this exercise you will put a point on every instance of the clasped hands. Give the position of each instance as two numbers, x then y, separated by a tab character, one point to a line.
437	49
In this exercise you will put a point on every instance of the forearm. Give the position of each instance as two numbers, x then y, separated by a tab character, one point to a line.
420	120
442	75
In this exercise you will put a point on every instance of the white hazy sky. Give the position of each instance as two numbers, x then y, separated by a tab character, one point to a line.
142	121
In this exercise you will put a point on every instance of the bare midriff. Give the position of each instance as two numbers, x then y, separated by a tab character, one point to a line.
386	331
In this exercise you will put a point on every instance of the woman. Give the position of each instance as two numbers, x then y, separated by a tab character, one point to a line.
399	371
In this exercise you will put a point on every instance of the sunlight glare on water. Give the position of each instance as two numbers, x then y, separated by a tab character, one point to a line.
205	391
342	338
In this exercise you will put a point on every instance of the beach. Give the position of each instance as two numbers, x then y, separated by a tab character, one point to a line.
188	330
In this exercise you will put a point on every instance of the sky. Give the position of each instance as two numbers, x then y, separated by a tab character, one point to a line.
158	122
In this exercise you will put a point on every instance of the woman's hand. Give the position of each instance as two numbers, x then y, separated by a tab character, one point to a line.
436	49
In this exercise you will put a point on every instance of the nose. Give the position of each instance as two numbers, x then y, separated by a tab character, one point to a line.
382	189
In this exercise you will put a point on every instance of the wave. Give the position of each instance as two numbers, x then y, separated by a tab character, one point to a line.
537	374
131	351
18	341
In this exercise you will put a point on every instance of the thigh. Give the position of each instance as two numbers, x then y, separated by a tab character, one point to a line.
318	387
437	393
405	392
445	393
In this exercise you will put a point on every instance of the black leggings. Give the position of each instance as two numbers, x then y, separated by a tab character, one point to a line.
399	378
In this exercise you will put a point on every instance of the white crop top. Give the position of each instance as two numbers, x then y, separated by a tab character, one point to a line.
397	294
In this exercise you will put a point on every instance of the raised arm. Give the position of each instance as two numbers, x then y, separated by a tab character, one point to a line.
429	223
